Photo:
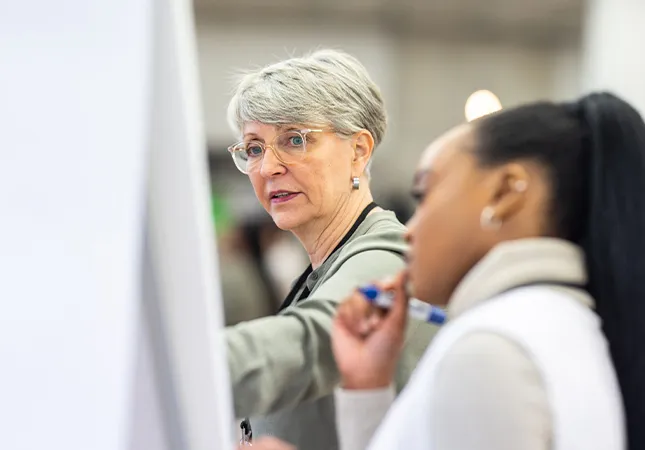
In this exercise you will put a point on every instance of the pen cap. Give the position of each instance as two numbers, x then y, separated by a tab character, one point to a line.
370	291
437	316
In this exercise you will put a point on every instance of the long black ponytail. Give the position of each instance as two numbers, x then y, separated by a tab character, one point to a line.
615	243
594	151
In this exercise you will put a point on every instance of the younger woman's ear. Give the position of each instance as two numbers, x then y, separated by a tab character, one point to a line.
510	184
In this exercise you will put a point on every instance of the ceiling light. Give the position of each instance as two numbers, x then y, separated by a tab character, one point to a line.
481	103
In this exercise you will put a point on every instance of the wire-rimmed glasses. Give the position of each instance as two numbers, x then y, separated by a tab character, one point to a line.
288	147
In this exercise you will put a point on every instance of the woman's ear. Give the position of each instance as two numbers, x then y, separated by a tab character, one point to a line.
363	147
509	185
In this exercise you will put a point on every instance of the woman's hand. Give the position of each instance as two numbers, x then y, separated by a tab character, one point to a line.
269	443
367	340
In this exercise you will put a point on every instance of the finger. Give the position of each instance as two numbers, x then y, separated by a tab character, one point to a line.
353	312
398	314
393	283
345	318
375	320
360	310
371	322
370	314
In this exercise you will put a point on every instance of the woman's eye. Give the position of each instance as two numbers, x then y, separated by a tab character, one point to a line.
418	195
253	150
296	141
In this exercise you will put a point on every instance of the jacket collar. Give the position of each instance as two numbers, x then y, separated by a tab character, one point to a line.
515	263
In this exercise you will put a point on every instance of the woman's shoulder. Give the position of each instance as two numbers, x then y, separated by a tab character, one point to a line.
541	304
375	250
381	219
380	230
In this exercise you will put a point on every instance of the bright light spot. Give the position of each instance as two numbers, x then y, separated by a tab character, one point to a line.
481	103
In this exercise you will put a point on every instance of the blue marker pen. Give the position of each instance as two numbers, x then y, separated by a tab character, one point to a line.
416	308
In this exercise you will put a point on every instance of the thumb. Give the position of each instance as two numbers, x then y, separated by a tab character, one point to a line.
398	313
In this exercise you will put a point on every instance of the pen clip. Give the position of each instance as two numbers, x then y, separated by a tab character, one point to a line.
247	433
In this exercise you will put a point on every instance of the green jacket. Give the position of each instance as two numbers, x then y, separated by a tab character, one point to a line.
282	367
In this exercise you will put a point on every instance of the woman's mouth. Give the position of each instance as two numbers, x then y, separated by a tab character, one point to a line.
278	197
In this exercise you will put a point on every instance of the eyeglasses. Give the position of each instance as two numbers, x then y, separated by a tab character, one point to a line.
288	147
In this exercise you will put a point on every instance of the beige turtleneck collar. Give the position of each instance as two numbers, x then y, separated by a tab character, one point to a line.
514	263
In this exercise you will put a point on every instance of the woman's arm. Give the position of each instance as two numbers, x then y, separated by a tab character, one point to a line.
487	395
280	361
359	413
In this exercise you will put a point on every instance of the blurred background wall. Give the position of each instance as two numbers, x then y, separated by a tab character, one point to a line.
428	57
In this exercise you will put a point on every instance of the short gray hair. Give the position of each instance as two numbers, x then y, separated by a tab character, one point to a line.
326	88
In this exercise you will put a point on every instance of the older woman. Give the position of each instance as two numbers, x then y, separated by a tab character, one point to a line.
309	127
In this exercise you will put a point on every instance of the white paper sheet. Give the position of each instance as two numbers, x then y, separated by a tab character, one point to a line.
73	109
79	84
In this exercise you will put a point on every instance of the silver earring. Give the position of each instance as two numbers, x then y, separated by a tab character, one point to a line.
520	185
356	183
488	221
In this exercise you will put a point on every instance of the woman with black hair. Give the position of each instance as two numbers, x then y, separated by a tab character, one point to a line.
531	229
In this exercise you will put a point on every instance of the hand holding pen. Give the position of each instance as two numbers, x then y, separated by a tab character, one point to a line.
367	339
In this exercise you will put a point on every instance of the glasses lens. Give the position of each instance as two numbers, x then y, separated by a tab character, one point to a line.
248	155
290	144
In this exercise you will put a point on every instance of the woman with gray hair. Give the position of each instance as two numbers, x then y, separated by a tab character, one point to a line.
309	127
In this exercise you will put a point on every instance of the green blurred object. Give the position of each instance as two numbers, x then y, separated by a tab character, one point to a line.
221	213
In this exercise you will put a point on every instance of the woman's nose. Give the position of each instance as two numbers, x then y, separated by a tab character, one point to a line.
271	164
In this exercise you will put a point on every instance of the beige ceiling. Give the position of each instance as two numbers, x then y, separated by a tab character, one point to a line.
543	22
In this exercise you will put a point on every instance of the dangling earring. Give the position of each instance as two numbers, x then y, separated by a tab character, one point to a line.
356	183
488	221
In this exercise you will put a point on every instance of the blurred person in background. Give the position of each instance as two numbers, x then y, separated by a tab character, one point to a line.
257	260
283	259
245	292
400	206
309	127
530	228
277	255
259	234
243	287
